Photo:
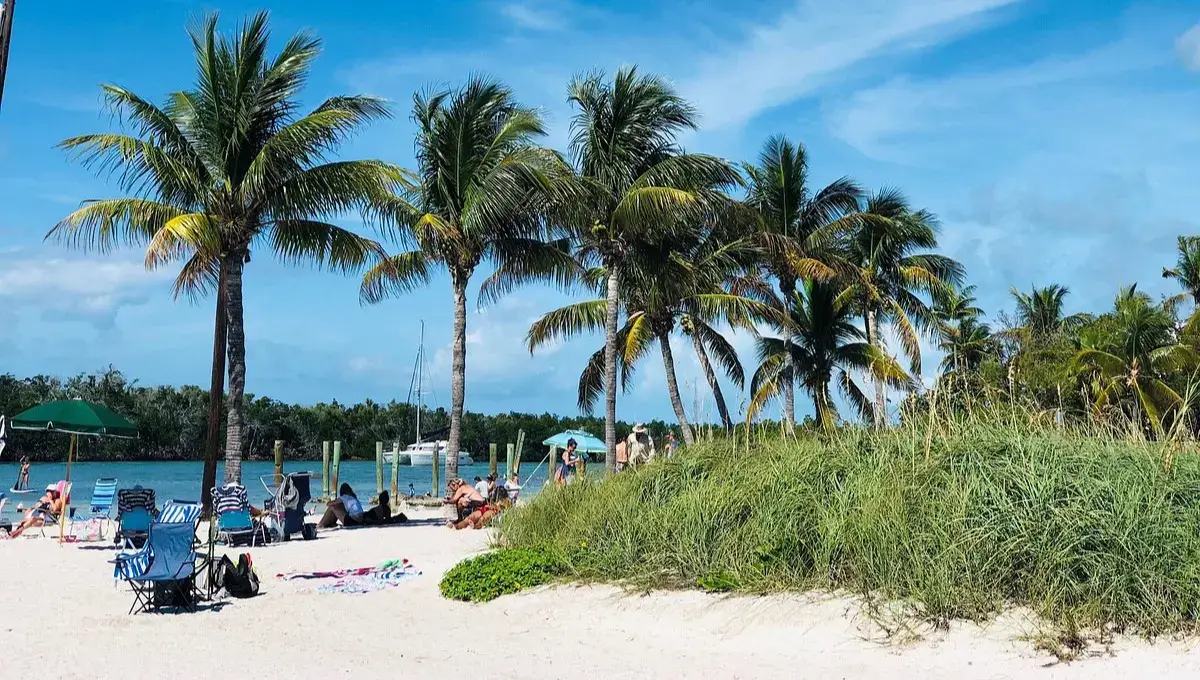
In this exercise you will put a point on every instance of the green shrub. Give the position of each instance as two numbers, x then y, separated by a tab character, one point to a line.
1085	530
505	571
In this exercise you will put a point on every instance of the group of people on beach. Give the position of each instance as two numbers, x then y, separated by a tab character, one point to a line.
47	510
348	511
635	450
478	504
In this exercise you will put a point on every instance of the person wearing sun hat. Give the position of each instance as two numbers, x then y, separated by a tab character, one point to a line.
639	446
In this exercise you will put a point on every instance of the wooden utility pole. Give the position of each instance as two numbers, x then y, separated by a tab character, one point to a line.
7	7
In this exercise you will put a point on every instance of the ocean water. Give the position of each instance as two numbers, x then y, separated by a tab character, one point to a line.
181	480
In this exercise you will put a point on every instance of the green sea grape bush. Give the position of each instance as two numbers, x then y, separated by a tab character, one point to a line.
1087	531
505	571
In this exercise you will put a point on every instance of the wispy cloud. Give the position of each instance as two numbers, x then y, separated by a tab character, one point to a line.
1187	46
534	16
87	290
813	42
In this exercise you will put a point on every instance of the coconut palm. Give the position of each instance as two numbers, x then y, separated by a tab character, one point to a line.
624	147
677	282
483	193
230	166
965	345
891	271
821	344
1132	357
796	226
1040	313
1187	267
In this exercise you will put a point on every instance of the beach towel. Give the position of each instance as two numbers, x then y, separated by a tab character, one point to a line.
359	580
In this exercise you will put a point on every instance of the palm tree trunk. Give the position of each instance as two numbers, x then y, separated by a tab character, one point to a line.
610	370
216	393
458	373
711	376
788	288
235	417
664	341
880	389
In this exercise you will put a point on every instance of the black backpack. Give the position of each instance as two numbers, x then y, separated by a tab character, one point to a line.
239	580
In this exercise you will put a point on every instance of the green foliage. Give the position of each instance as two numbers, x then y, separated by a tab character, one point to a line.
1084	530
506	571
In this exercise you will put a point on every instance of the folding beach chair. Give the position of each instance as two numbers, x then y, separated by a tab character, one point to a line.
287	503
234	524
135	510
163	573
103	496
177	511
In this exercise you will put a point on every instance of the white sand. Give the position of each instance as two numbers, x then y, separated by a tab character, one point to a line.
60	613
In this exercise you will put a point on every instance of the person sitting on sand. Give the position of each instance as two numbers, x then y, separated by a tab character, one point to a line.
481	517
481	486
48	509
348	510
464	497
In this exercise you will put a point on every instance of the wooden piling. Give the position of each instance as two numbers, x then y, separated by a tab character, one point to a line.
378	467
337	463
396	471
325	469
278	462
514	466
492	459
437	487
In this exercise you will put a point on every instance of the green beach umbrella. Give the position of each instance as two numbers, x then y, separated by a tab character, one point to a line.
74	417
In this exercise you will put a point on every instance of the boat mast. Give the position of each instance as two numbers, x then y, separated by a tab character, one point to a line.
420	372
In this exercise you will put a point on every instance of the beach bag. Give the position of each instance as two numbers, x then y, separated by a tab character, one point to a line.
239	580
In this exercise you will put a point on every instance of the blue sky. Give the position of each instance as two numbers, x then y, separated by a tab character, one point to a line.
1059	142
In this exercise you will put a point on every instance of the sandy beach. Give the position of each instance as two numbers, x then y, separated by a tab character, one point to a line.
60	610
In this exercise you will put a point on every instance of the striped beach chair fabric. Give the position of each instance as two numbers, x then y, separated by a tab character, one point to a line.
180	511
164	569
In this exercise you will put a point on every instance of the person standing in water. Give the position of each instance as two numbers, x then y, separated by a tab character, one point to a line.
23	475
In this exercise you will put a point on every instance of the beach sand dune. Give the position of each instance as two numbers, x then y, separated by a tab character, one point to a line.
60	613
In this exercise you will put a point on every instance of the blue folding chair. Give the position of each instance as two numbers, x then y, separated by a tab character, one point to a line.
163	573
103	496
177	511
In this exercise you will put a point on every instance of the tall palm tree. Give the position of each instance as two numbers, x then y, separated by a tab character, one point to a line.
624	147
677	282
820	343
229	166
962	339
483	192
1134	357
891	271
1187	267
796	226
1040	312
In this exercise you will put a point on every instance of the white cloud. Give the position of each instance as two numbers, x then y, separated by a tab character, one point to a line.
534	16
908	120
1187	46
814	41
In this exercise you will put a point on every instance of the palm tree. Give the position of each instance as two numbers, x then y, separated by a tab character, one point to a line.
962	339
796	226
229	166
820	343
484	189
676	282
1134	356
889	272
624	147
1187	267
1040	312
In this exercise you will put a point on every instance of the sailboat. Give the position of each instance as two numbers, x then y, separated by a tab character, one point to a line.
420	453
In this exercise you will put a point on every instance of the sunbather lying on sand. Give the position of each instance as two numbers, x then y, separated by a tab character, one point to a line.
348	510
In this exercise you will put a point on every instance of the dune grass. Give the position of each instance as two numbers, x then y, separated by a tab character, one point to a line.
1086	531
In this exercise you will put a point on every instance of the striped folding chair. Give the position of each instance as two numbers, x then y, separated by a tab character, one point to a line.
180	511
104	494
164	569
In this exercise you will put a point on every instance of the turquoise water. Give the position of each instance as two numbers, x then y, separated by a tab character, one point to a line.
181	480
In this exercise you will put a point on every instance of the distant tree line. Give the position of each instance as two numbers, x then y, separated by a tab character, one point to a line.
171	422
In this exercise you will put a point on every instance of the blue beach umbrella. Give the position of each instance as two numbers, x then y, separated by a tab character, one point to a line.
585	441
